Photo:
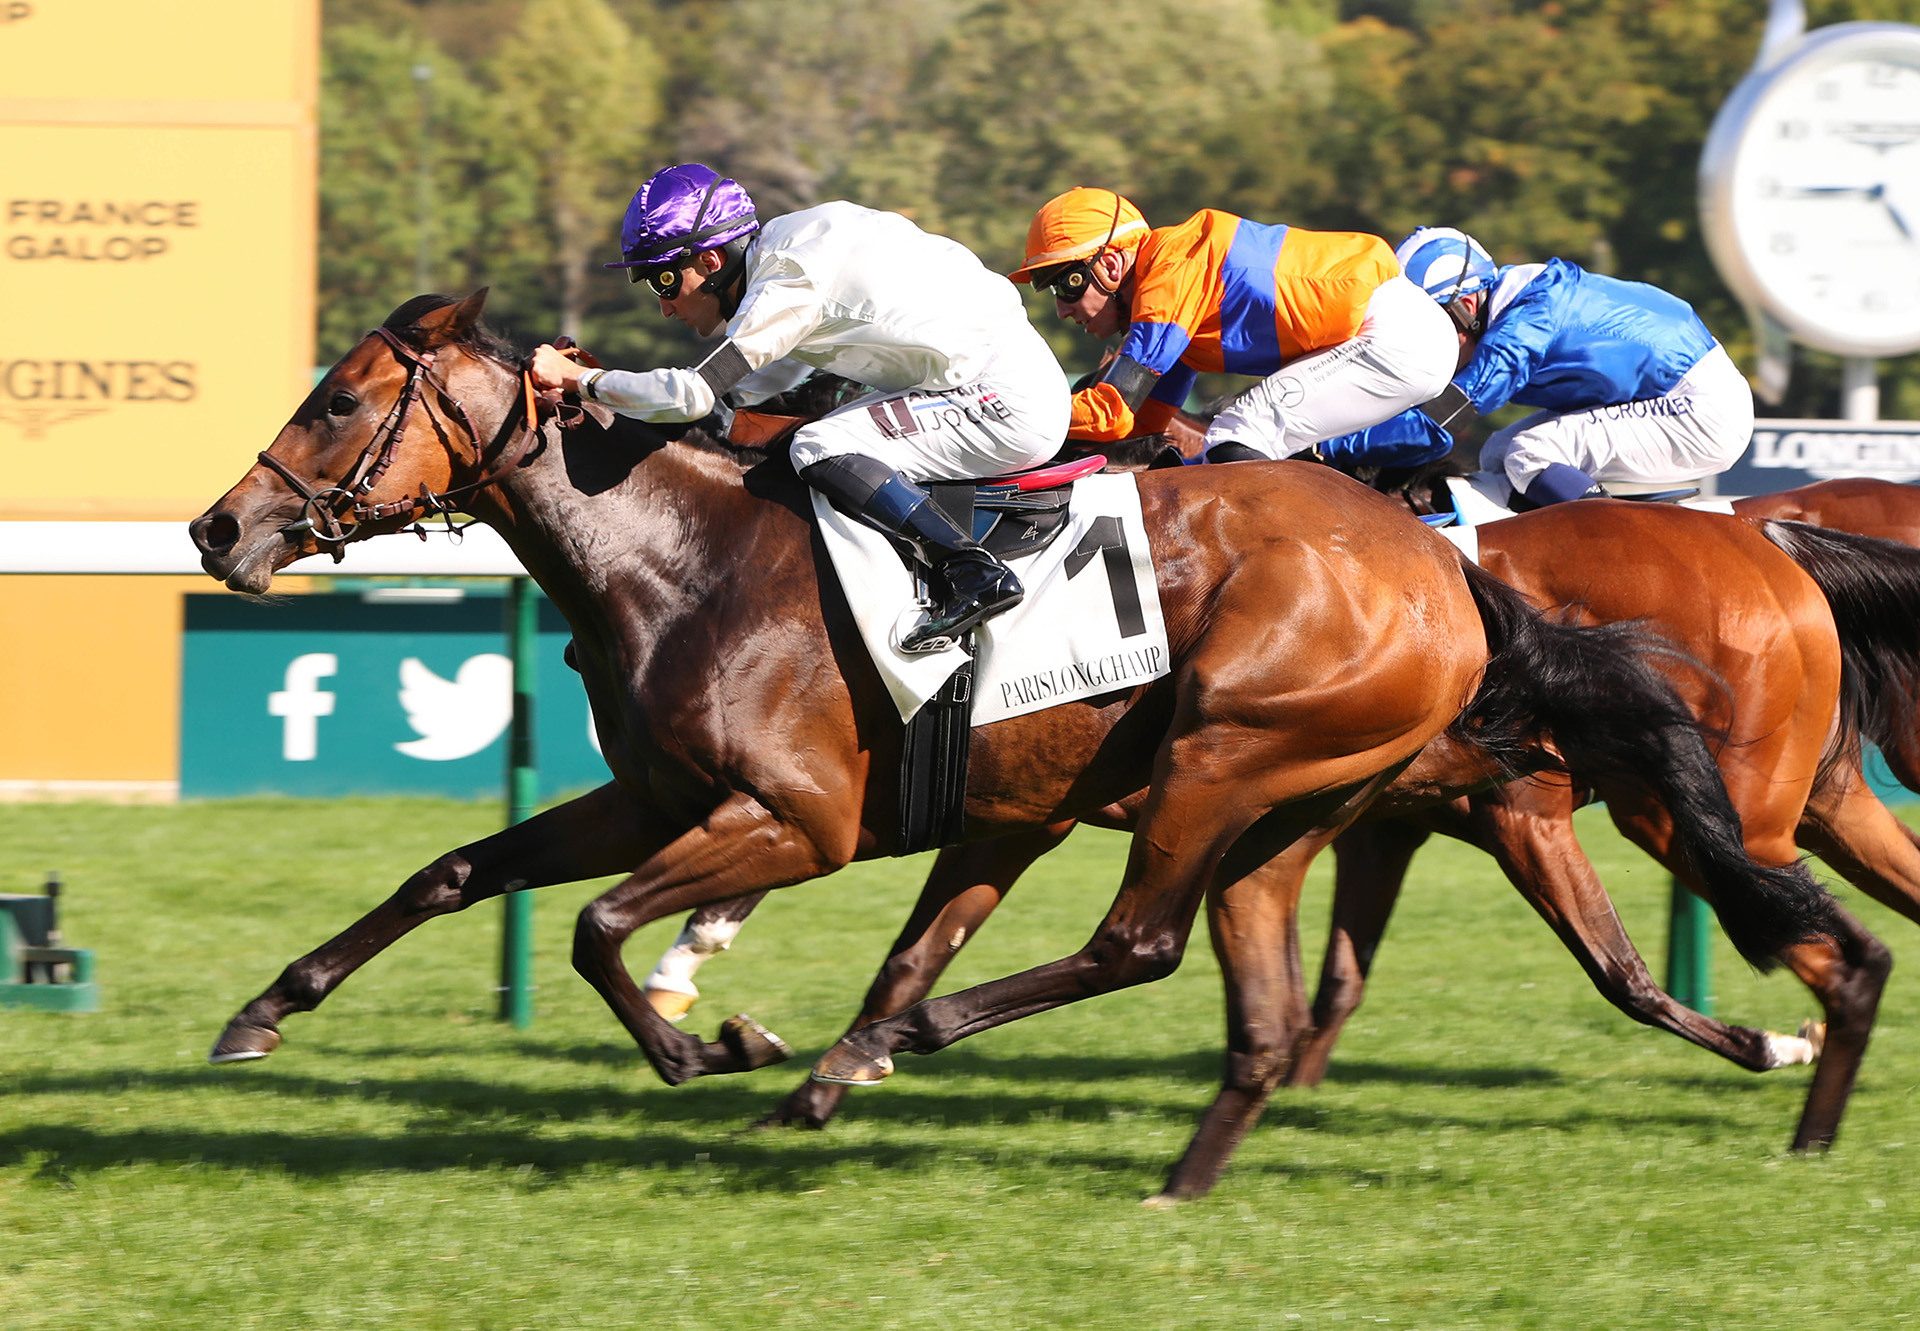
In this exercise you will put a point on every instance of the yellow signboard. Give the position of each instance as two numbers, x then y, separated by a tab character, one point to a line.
156	247
106	51
162	279
157	216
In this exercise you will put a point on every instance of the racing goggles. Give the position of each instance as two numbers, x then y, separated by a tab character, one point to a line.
1068	282
665	281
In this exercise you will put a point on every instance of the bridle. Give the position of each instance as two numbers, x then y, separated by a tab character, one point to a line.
322	509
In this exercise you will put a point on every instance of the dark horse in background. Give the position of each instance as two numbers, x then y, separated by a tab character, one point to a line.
1324	647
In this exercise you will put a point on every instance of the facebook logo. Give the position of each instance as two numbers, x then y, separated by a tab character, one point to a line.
301	702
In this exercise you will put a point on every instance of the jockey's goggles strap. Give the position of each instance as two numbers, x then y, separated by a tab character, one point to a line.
1132	380
722	370
1452	405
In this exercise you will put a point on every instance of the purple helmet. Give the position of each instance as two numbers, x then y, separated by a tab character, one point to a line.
680	211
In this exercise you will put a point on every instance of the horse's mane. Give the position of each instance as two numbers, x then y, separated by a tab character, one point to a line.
489	344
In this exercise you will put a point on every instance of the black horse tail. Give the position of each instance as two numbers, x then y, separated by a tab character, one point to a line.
1615	719
1873	587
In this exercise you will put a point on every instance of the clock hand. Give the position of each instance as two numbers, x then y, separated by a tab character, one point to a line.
1870	191
1899	220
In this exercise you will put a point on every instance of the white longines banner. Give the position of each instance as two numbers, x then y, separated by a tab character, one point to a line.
1786	453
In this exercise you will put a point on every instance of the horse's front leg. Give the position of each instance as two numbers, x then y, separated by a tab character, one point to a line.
963	888
602	832
741	848
1254	924
1528	828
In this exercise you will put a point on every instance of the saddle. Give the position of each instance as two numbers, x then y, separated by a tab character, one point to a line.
1011	516
1016	514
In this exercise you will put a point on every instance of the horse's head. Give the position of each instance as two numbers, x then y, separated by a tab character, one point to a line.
383	440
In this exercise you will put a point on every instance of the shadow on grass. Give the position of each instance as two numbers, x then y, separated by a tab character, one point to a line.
952	1112
958	1087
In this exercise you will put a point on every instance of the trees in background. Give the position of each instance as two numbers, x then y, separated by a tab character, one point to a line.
1571	127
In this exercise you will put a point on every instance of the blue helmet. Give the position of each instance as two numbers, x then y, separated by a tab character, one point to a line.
1445	263
679	212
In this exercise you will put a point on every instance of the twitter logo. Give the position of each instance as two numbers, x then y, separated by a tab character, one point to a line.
458	717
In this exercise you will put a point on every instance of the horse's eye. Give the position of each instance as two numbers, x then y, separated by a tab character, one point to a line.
342	404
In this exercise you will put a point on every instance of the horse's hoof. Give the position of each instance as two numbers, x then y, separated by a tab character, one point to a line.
1815	1034
783	1118
843	1067
670	1003
753	1044
242	1044
1161	1201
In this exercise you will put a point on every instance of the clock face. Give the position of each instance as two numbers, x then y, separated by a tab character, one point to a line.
1814	210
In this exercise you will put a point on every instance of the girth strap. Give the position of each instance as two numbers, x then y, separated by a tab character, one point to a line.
938	740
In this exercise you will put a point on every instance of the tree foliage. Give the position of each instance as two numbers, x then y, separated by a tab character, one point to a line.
1568	127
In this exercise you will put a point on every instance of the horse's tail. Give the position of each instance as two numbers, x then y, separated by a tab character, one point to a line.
1873	587
1614	718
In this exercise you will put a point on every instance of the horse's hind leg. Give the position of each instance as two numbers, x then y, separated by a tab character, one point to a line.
708	932
1370	866
1194	829
965	886
1847	975
602	832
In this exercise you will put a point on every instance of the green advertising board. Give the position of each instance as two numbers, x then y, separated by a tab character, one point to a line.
392	691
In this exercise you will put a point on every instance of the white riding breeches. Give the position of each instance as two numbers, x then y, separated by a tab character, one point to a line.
1403	356
1012	417
1699	428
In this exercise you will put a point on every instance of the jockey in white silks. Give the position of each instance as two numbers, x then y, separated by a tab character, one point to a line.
963	384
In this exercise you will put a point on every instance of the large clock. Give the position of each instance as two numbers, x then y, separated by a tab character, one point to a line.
1810	190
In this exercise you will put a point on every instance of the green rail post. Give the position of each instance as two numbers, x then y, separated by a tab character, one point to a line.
1689	951
516	939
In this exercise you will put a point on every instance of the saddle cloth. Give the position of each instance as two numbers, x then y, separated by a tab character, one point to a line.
1481	498
1090	623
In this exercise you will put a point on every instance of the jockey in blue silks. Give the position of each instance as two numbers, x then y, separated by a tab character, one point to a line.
963	384
1631	386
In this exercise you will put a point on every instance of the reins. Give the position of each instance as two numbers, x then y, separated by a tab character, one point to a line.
323	509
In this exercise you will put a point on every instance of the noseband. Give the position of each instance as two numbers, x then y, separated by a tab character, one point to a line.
322	509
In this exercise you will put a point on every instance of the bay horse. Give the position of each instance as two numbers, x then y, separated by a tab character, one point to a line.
1323	643
1759	622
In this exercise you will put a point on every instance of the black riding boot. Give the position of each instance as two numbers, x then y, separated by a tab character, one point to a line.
979	586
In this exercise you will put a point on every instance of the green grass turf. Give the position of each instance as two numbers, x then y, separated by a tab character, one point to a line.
1495	1146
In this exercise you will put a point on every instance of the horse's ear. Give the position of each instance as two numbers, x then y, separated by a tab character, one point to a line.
450	323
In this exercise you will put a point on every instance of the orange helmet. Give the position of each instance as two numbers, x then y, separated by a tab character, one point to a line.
1079	225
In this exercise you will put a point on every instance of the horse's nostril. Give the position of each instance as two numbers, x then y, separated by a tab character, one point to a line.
214	533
